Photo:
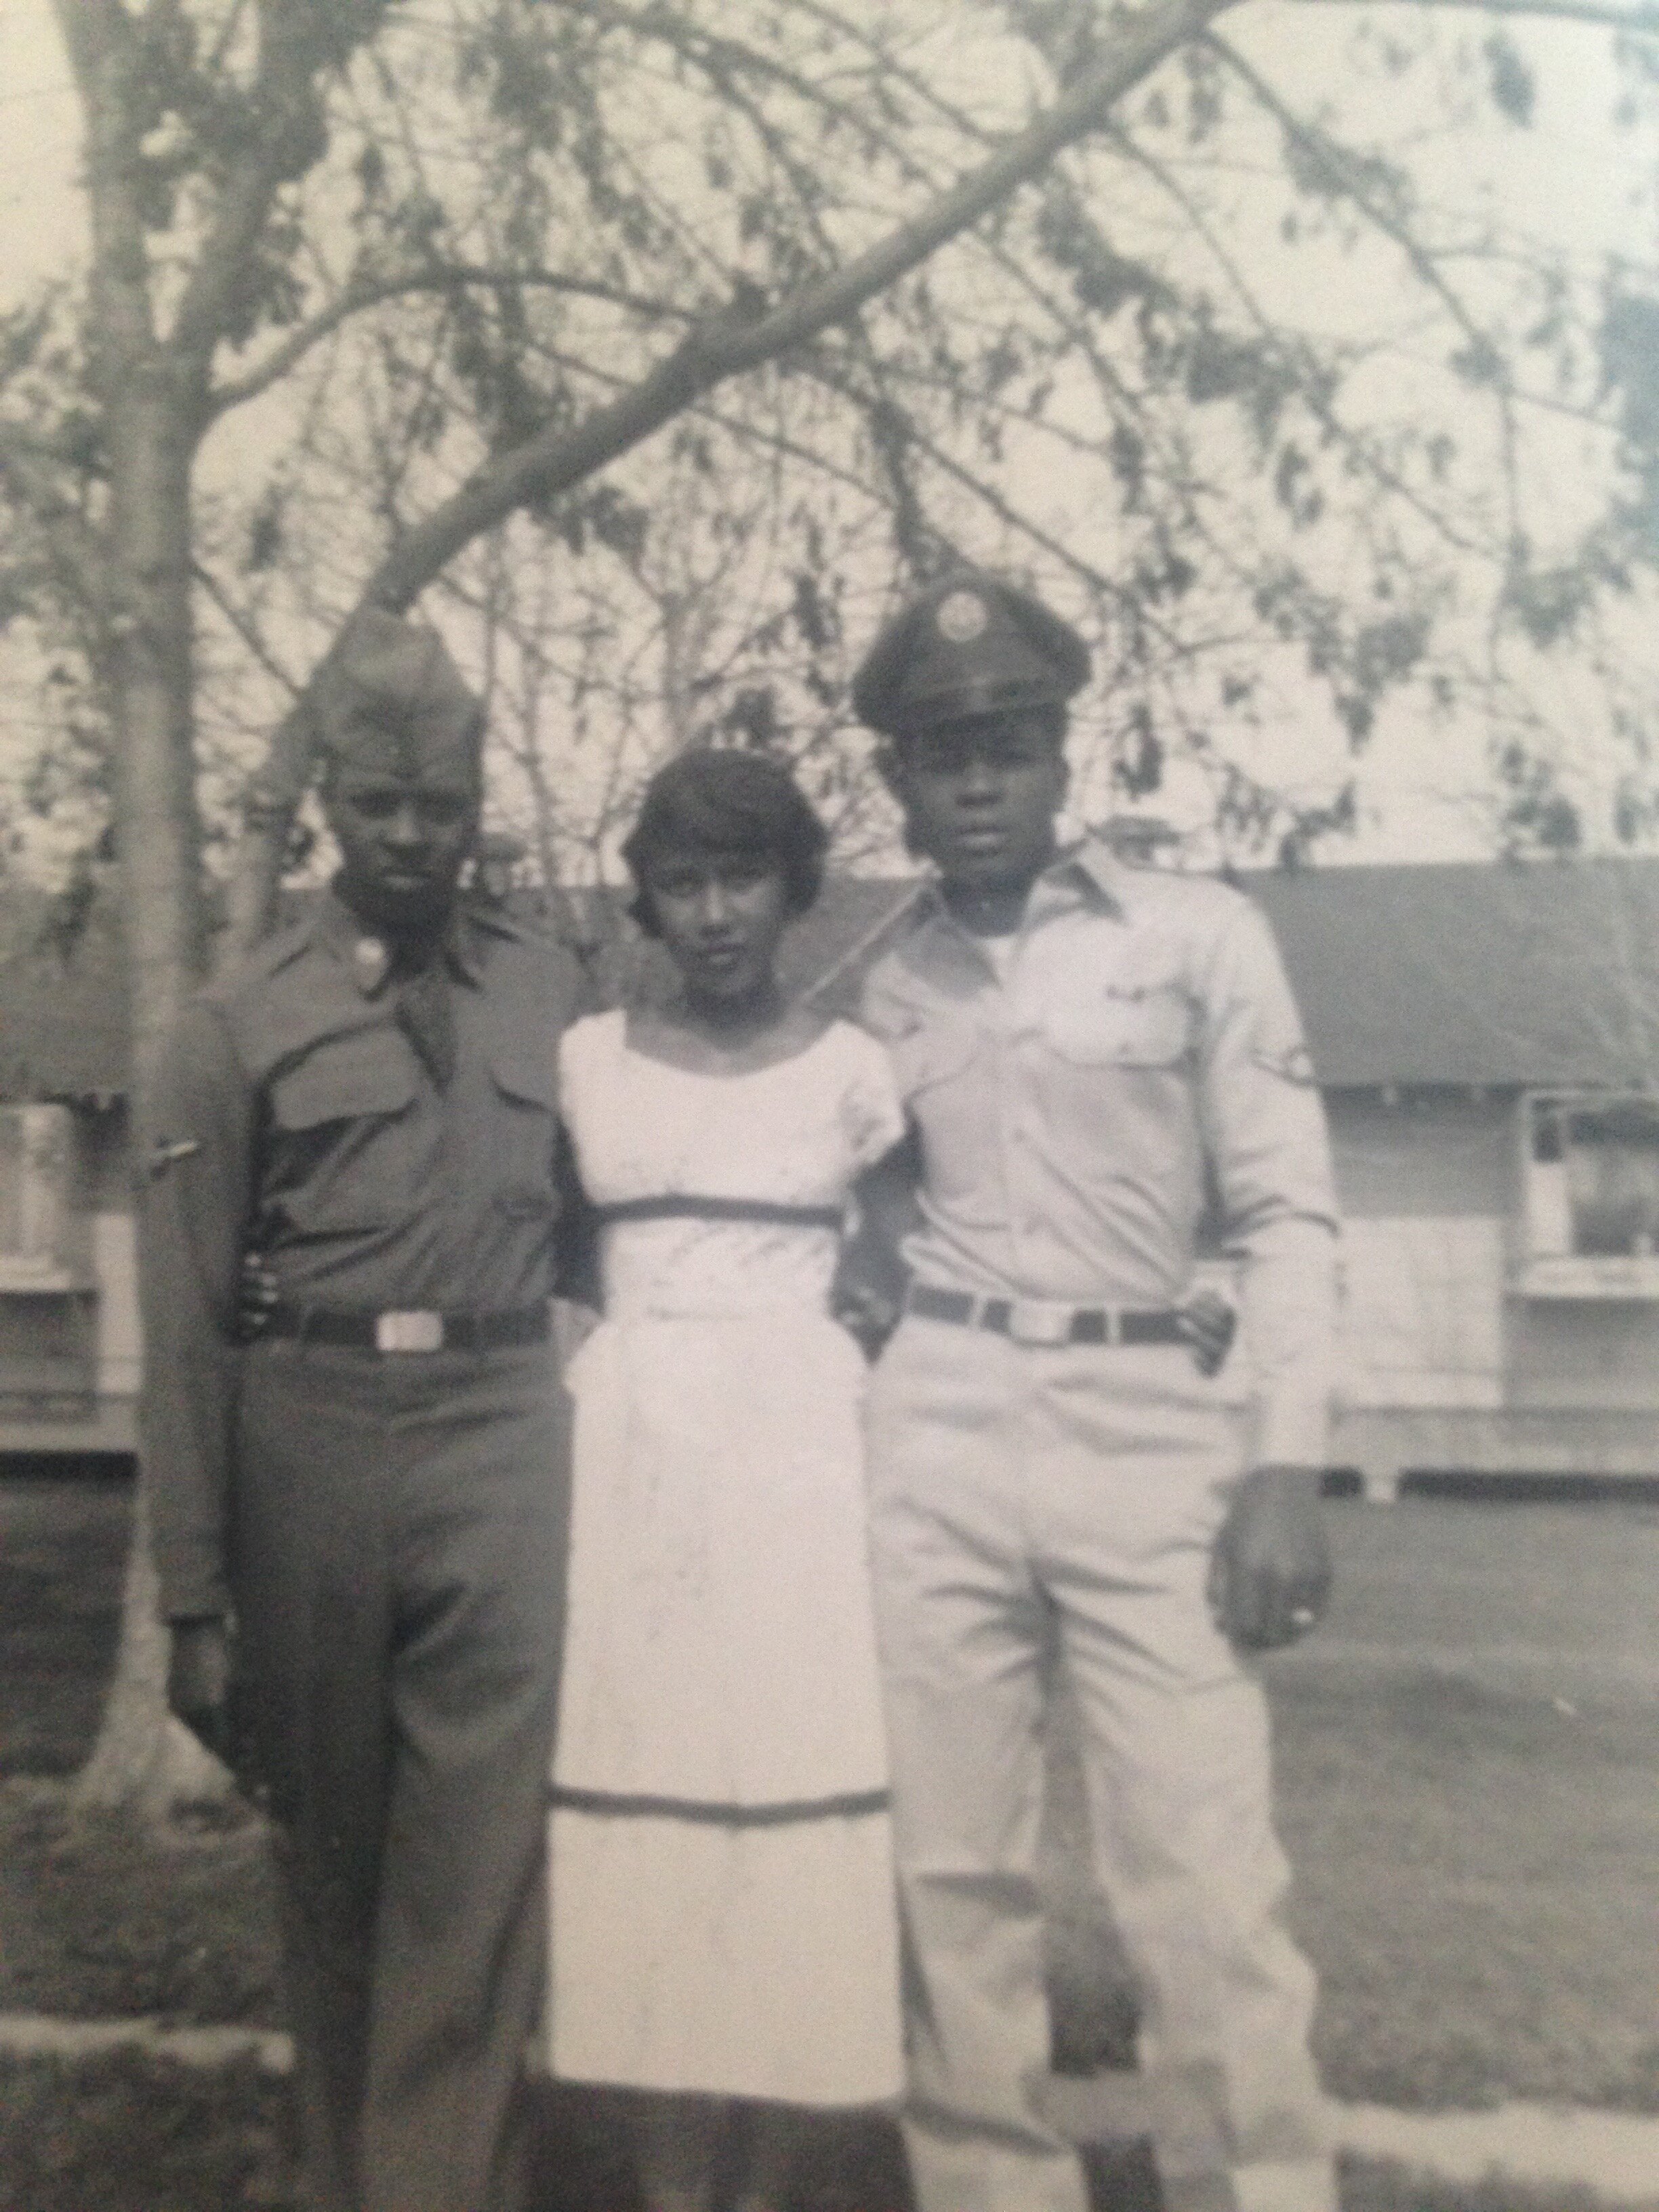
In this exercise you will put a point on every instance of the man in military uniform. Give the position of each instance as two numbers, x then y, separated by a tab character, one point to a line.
1085	1047
360	1518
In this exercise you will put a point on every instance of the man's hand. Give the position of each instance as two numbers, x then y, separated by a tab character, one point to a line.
1270	1574
868	1315
867	1295
198	1682
1209	1324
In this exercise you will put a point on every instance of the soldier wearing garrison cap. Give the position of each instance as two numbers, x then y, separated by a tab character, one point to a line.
359	1515
1087	1050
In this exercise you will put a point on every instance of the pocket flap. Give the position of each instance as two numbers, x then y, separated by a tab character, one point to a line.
1149	1027
344	1078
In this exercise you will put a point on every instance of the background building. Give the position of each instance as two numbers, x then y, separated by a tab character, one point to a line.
1487	1038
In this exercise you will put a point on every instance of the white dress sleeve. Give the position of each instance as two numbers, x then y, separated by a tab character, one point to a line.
871	1113
578	1049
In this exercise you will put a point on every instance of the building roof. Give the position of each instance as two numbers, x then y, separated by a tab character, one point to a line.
1490	975
1541	972
1493	976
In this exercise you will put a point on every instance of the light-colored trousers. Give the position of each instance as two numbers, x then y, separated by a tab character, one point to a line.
1017	1491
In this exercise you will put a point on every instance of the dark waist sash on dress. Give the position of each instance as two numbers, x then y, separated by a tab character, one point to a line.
847	1805
688	1207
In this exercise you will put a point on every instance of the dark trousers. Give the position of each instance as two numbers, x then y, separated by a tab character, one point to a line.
398	1553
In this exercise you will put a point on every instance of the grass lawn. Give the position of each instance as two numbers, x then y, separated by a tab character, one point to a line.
1466	1762
1469	1786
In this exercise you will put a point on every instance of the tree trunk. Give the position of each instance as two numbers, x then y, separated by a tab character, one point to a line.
141	1758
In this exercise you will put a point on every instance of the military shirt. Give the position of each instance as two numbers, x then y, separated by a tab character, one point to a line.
1138	1061
294	1115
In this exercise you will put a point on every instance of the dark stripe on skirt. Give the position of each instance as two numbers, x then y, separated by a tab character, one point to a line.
604	1803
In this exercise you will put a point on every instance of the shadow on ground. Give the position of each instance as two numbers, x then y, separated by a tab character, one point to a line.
130	2134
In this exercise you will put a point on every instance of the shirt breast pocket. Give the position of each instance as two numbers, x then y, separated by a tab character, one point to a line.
1147	1026
330	1114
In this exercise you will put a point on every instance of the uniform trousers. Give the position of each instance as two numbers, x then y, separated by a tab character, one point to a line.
1018	1492
398	1559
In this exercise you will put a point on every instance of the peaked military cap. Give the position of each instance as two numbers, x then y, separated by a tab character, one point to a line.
971	644
392	702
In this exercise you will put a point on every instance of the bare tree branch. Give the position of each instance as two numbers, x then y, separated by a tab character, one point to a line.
370	292
283	109
1642	20
559	457
1484	357
550	464
246	630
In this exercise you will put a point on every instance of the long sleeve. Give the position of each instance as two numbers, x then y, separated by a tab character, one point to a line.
1265	1128
194	1206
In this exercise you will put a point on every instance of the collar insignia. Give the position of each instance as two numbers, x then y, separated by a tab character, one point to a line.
370	960
166	1149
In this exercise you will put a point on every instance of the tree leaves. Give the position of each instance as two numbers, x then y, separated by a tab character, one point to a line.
501	216
1509	78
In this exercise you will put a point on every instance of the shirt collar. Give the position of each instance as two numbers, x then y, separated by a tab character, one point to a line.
340	932
1091	867
1089	870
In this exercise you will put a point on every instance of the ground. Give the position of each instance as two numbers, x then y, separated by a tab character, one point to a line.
1466	1759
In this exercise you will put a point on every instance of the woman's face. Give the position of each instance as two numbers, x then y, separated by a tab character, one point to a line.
720	916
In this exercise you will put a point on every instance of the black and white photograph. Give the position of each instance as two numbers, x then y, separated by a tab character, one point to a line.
829	1106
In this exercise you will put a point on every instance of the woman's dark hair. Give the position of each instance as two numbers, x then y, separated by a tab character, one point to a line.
726	801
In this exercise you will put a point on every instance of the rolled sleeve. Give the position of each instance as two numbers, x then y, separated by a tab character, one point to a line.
193	1209
1270	1151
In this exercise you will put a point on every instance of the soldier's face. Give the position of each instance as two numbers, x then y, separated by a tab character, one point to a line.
719	916
403	841
980	796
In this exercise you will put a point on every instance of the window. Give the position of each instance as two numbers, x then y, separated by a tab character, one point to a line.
1589	1223
43	1231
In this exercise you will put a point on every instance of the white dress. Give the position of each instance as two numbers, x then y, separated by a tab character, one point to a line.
723	1914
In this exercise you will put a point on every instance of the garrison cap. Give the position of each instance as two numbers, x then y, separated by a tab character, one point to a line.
392	702
971	644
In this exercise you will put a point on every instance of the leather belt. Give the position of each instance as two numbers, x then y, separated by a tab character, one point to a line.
1042	1322
417	1328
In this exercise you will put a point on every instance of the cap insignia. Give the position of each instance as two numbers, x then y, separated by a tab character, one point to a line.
961	616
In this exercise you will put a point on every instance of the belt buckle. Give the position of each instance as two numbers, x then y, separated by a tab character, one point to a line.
420	1330
1039	1321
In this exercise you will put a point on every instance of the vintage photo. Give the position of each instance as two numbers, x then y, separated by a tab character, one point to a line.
829	1106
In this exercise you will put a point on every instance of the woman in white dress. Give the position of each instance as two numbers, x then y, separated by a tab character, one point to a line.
724	1938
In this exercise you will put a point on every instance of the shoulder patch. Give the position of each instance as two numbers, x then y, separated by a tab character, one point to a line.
1293	1064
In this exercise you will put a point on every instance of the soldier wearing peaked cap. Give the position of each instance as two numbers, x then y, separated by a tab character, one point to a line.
1083	1047
971	646
362	1512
